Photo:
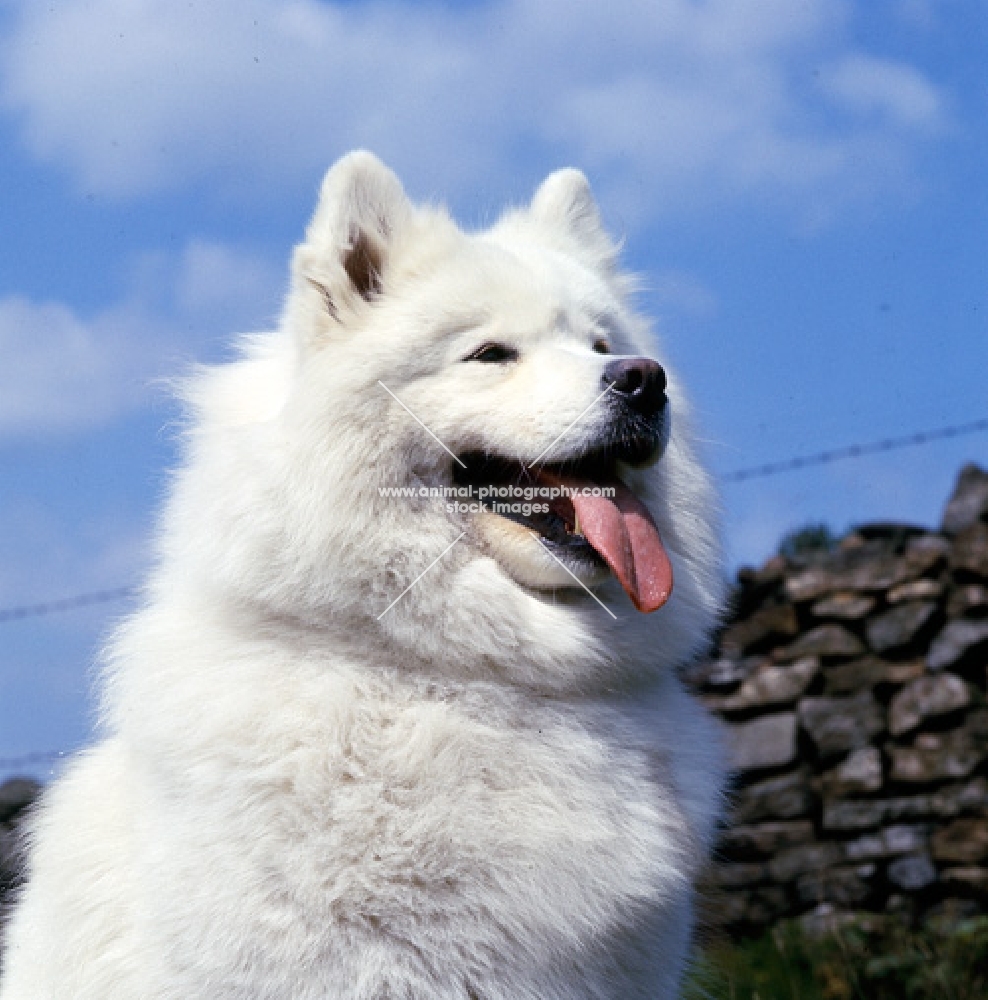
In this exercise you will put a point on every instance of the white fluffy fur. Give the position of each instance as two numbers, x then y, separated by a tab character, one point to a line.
495	791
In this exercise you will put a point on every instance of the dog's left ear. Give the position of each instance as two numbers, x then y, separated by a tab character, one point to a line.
362	213
565	203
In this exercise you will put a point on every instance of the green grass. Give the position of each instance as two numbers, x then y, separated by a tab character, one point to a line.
947	961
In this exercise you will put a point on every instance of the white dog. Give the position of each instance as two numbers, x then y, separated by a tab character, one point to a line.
369	737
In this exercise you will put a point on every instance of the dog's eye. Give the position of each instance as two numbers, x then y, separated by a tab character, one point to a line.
493	354
602	347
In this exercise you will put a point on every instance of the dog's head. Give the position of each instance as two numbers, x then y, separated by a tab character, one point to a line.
459	442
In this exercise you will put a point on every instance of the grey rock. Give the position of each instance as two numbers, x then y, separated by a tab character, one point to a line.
957	641
968	877
725	672
970	601
972	796
965	841
889	842
969	553
923	589
785	797
927	553
865	814
764	839
795	861
825	641
840	725
736	876
769	741
16	794
846	885
859	774
937	756
846	606
769	685
869	672
969	501
900	626
870	567
912	873
926	698
765	628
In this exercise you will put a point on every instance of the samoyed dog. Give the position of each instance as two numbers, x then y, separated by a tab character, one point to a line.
398	716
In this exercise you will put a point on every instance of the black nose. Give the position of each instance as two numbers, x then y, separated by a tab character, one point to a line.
640	382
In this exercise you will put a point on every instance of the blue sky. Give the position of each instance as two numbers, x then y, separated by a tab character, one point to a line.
801	186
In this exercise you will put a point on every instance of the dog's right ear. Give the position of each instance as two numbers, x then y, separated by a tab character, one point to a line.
565	204
343	263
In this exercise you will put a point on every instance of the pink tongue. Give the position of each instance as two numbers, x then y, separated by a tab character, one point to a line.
621	529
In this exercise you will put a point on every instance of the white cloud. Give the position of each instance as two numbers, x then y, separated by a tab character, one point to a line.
60	371
670	101
886	90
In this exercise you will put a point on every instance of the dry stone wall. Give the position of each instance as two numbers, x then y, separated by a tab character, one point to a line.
852	683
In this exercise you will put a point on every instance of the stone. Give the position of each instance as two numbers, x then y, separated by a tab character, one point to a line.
937	756
972	796
725	672
840	725
870	672
846	606
765	905
766	742
736	876
769	685
926	698
957	642
927	553
846	885
969	554
912	873
969	502
784	797
864	814
767	627
859	774
970	600
795	861
16	794
965	841
888	842
901	626
868	566
967	877
764	839
923	589
826	641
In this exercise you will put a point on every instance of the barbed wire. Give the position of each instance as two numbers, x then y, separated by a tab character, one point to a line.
856	451
737	476
65	604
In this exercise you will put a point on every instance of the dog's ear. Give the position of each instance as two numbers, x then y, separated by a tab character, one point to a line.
565	204
361	215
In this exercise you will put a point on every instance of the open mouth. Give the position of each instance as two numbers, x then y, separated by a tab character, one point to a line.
581	512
